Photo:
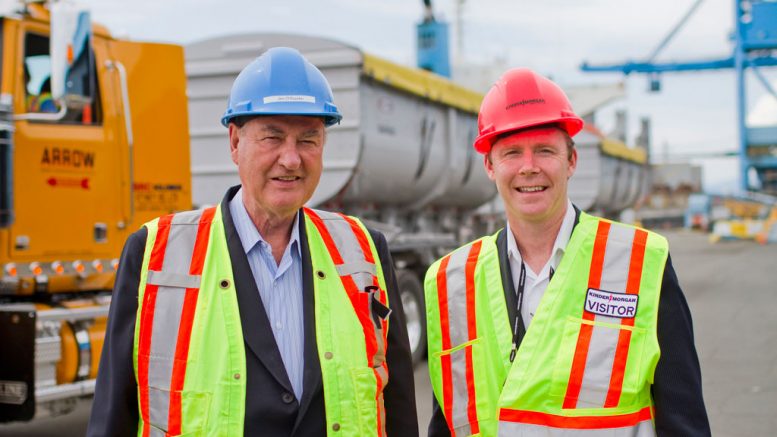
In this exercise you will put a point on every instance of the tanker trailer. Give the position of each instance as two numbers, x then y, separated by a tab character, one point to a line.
610	176
402	158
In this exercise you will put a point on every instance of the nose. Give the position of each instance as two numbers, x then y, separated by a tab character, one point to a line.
528	165
289	155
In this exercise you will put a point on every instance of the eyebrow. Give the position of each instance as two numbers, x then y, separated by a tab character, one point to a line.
275	130
533	146
311	133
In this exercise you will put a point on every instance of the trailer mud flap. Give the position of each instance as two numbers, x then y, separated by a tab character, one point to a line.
17	373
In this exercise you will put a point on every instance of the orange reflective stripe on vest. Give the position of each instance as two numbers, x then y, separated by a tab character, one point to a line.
568	422
358	273
610	270
624	338
168	308
458	379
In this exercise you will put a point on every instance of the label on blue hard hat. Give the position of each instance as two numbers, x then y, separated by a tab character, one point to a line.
607	303
285	99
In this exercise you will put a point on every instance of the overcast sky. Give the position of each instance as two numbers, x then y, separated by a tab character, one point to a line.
694	113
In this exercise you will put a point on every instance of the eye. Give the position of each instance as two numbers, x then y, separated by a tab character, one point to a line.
307	144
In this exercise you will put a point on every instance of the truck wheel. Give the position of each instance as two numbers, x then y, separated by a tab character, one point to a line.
411	292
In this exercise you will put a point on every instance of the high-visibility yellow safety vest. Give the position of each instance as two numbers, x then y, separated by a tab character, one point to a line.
587	361
189	354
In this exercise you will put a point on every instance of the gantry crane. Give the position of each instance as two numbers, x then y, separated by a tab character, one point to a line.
755	47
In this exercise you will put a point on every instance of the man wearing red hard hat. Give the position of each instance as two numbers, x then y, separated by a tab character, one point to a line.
561	324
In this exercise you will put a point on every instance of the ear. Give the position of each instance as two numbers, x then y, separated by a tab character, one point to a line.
234	141
572	163
488	165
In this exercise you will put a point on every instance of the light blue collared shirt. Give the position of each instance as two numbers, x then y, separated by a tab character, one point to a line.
280	288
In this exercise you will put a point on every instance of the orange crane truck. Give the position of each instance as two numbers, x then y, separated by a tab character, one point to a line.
93	142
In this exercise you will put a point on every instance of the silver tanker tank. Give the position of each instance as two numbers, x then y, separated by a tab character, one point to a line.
401	156
610	177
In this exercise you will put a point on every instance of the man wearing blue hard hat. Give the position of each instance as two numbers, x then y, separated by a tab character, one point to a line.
259	316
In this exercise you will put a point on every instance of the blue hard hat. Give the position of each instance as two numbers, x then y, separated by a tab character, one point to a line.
281	82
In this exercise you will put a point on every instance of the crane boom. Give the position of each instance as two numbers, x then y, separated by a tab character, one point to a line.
755	47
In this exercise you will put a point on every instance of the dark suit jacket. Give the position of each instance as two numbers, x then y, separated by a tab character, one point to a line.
271	408
676	389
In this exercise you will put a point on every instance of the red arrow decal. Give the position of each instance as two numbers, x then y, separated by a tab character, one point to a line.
69	182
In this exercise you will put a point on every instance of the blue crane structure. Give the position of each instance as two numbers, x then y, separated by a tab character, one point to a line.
755	46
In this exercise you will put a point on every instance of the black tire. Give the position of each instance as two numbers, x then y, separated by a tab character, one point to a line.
411	292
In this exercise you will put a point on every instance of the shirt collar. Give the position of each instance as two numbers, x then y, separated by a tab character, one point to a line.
559	246
246	230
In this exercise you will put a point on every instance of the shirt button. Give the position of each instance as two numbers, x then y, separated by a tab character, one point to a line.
328	355
336	427
236	376
287	398
279	325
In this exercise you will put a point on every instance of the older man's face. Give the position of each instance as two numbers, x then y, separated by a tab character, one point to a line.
279	160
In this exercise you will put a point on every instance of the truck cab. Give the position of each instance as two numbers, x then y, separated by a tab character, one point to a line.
93	143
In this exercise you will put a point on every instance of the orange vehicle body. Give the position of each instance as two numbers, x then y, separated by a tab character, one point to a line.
74	189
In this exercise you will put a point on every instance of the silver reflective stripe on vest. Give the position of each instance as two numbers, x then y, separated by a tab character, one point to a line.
513	429
354	264
460	418
167	312
457	296
455	276
604	340
356	267
167	279
156	432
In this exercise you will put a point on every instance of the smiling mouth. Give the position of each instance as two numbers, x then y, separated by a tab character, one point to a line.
286	178
533	189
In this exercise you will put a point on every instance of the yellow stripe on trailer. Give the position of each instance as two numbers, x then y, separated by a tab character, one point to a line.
421	83
619	150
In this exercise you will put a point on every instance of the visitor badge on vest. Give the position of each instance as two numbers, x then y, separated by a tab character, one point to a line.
607	303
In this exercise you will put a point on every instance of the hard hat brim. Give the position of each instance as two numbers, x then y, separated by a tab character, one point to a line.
329	118
572	125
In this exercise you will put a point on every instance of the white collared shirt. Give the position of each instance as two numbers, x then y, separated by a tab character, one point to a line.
280	288
536	283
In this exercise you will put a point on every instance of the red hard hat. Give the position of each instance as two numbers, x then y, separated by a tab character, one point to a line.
521	99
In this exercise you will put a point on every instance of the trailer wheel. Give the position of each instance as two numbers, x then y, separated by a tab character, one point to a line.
411	292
